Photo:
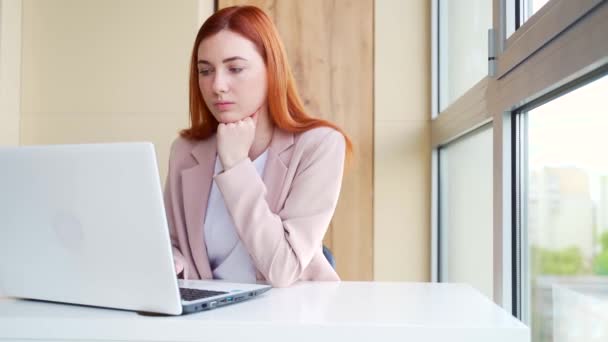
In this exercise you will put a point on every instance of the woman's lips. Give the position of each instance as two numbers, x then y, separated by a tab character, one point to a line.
223	106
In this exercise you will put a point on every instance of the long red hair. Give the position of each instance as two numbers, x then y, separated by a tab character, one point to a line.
284	104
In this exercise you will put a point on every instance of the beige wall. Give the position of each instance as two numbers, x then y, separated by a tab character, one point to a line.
10	76
402	140
102	71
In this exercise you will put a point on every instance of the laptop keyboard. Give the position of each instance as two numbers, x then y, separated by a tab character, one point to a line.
195	294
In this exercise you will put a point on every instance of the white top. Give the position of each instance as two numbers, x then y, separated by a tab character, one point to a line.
228	257
307	311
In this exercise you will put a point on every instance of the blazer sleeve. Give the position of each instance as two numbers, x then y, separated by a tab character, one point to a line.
282	245
170	183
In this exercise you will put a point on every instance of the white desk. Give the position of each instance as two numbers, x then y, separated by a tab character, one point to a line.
308	311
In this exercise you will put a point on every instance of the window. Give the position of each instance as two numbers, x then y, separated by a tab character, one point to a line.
463	46
532	6
566	202
557	46
527	8
466	210
519	11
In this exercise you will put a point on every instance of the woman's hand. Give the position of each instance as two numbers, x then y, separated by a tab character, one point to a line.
179	268
234	140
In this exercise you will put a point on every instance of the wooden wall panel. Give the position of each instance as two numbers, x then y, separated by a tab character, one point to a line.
330	49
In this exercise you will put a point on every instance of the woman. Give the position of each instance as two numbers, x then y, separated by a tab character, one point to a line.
254	182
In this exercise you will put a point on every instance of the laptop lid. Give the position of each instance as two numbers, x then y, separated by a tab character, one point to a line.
86	224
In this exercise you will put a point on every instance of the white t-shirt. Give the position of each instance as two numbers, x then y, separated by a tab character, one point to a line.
228	256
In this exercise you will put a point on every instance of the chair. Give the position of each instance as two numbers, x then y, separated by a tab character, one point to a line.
330	257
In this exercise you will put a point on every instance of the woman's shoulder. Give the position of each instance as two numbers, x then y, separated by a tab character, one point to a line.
182	150
319	140
181	146
318	135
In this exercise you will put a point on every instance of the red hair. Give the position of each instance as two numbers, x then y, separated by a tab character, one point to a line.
284	104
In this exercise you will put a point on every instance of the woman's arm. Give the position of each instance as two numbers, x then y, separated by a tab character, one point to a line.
283	245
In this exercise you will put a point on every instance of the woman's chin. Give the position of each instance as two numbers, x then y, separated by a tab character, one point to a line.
228	121
227	118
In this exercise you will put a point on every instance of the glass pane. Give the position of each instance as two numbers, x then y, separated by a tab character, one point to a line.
466	211
463	46
567	202
532	6
515	18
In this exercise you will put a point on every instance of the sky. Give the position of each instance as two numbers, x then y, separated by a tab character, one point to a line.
572	131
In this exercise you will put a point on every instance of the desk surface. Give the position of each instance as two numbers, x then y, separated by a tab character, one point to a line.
308	311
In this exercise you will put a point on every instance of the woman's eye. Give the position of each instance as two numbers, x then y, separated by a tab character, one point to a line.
236	70
204	72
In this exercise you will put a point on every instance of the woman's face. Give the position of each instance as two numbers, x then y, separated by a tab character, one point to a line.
231	77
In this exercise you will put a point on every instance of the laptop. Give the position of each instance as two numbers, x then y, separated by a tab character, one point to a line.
85	224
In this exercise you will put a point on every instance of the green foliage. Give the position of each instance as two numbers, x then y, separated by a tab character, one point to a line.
600	264
604	241
567	261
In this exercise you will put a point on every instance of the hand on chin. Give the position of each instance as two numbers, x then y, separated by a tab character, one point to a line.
234	139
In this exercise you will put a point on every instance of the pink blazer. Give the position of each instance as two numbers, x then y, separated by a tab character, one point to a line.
281	218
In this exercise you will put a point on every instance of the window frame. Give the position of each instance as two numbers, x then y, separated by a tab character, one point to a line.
547	23
521	167
552	52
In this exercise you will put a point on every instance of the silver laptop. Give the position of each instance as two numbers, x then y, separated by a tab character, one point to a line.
85	224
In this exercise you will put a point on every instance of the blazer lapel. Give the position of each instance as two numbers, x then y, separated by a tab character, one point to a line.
196	185
275	170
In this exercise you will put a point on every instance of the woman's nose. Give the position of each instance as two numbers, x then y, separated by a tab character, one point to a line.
220	84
